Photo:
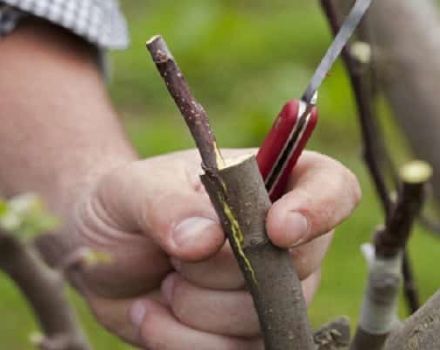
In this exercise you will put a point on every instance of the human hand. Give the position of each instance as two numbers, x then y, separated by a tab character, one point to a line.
173	283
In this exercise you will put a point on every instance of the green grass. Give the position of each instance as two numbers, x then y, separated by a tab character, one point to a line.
243	60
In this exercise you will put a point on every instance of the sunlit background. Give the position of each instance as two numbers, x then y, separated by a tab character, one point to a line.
243	60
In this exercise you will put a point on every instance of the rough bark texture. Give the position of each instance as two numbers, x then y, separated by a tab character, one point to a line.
241	201
421	331
43	288
333	336
406	47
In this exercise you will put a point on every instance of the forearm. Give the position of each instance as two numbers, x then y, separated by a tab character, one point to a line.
58	129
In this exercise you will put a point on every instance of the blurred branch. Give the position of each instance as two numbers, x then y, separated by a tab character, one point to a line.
420	331
379	310
406	51
43	288
333	335
241	202
414	177
358	71
357	59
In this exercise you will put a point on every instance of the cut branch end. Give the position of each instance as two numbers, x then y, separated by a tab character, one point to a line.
416	172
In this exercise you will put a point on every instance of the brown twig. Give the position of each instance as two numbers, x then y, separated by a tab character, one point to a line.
393	239
410	290
241	202
192	111
43	288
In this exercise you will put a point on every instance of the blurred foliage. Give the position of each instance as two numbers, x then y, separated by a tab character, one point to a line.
26	216
243	60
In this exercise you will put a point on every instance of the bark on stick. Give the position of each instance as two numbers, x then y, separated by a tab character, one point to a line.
334	335
241	201
192	111
421	331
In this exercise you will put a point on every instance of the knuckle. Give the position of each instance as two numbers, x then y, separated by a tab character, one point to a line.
354	186
345	189
308	257
348	183
300	259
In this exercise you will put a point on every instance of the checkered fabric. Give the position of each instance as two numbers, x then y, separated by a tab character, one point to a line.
98	21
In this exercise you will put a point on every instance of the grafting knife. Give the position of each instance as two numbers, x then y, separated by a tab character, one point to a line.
295	123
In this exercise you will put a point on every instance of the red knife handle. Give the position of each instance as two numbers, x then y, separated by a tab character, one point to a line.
283	145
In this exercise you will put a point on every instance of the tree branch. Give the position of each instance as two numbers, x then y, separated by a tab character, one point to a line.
414	177
333	335
43	288
420	331
359	68
379	310
241	202
192	111
361	85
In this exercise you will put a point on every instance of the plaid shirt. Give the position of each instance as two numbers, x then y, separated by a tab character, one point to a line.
98	21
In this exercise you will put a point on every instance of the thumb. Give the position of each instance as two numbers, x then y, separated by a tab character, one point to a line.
163	199
324	194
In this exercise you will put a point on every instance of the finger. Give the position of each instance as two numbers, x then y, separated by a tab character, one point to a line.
324	194
115	314
161	198
308	257
220	272
229	313
310	286
158	329
135	263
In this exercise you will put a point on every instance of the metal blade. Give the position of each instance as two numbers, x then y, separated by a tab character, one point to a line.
349	26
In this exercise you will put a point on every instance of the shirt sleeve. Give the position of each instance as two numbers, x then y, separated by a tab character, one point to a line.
99	22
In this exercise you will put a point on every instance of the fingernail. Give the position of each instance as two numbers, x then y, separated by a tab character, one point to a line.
297	228
137	313
190	231
168	288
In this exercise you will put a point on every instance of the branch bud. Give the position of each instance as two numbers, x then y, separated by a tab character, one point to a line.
361	52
